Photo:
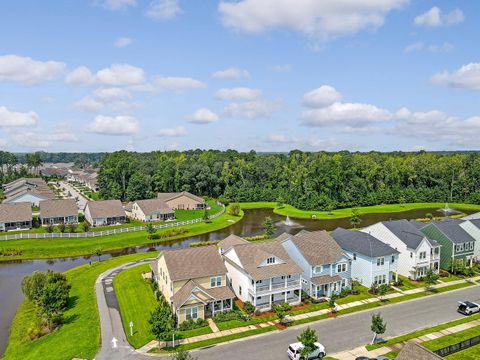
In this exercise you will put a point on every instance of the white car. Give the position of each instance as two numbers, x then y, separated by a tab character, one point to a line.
294	349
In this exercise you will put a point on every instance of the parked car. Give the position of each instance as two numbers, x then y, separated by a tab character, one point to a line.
294	349
468	307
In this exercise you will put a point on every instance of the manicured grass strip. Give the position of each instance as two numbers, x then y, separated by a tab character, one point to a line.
231	324
194	332
54	248
362	295
310	308
79	337
410	284
452	339
347	212
472	353
308	320
136	301
422	332
221	339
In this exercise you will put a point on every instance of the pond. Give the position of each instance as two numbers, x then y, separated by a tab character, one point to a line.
11	273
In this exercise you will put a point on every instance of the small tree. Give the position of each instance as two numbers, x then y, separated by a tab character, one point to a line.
234	209
430	278
281	310
206	216
457	266
269	227
86	226
355	220
150	229
49	228
429	216
308	338
99	253
331	302
382	291
378	326
161	322
72	228
62	227
280	201
182	355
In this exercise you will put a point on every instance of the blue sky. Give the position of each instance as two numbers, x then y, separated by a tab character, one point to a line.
268	75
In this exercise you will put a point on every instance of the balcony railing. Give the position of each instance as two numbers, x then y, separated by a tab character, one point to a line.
275	287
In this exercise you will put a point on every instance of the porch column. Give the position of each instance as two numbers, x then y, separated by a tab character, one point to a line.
286	296
286	281
270	300
396	276
255	301
221	307
270	284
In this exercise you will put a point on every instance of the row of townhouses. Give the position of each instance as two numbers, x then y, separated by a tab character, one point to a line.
201	281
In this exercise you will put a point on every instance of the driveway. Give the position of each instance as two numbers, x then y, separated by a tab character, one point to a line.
82	200
340	334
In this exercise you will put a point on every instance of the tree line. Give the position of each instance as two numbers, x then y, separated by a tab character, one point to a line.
309	181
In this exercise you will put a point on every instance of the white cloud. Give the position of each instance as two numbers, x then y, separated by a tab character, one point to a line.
117	4
122	42
467	77
278	139
25	70
420	46
281	68
321	19
33	139
231	73
103	97
173	132
435	18
238	94
252	109
115	75
163	9
17	119
203	116
323	96
349	114
178	83
113	125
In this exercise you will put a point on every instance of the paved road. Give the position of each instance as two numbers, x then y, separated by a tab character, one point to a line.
340	334
82	201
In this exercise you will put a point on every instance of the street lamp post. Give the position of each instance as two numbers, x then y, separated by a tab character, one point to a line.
131	328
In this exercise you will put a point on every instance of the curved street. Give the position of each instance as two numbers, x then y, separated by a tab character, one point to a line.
339	334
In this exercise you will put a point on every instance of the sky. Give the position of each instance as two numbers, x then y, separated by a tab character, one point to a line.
267	75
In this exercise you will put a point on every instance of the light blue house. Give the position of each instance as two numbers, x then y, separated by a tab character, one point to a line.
373	262
326	268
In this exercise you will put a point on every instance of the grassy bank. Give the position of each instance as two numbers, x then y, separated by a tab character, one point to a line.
79	337
56	248
291	211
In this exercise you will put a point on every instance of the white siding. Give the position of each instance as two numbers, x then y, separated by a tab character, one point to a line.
34	200
237	278
474	232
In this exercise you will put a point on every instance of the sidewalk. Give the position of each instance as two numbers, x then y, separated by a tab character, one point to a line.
217	334
362	351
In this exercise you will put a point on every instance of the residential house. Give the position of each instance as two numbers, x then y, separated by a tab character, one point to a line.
261	273
194	282
32	190
472	227
457	243
15	216
373	262
418	253
183	201
326	269
58	211
149	210
414	351
105	212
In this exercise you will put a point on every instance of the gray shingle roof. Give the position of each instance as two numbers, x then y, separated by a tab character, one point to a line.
184	293
171	196
230	241
105	208
476	222
154	206
361	243
317	247
58	208
21	211
452	229
414	351
408	233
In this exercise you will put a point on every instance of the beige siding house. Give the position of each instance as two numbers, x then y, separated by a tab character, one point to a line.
15	216
105	212
182	201
31	190
194	282
58	211
149	210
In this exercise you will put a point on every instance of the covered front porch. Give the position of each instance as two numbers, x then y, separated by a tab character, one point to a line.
218	306
326	285
265	302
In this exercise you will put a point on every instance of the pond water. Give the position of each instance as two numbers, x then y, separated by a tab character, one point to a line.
11	273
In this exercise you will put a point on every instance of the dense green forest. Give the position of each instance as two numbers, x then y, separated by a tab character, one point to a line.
46	157
306	180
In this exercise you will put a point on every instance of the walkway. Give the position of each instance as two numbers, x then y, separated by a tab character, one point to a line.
82	200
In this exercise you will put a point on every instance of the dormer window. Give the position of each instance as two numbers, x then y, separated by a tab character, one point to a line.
271	260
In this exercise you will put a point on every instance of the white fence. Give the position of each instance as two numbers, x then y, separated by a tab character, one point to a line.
105	232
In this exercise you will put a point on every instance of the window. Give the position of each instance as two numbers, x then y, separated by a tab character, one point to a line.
215	281
317	269
341	268
380	261
411	254
289	276
472	246
239	290
437	250
422	255
191	313
393	259
271	260
461	247
344	283
354	256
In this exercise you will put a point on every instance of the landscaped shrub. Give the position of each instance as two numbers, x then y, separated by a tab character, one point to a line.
256	238
192	324
468	272
399	282
231	315
234	209
203	243
345	292
248	307
225	201
169	233
373	289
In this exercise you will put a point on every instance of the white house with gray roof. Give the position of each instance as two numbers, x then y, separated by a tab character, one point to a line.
326	269
373	262
417	253
472	227
261	273
15	216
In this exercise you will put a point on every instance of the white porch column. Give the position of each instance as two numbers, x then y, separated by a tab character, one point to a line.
255	301
270	300
270	284
396	276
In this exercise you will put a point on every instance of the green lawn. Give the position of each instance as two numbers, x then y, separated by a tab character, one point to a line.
53	248
310	308
79	337
452	338
225	325
194	332
472	353
410	284
363	294
136	300
343	213
451	277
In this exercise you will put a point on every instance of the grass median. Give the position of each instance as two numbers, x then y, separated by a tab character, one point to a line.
70	247
79	336
291	211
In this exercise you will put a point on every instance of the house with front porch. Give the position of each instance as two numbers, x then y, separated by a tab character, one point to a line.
373	262
15	216
58	211
194	282
261	273
417	252
149	210
326	268
457	243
